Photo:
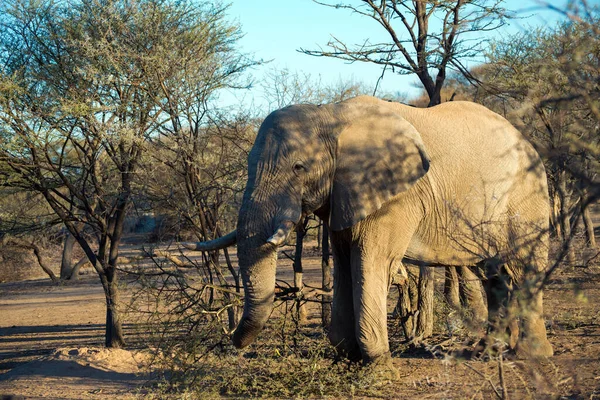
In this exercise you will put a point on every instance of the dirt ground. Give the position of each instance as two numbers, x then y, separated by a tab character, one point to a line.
51	339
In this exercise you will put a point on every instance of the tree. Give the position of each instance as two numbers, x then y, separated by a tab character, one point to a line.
285	87
195	180
416	43
82	89
198	163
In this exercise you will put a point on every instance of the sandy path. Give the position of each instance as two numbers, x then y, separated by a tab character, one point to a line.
52	336
36	319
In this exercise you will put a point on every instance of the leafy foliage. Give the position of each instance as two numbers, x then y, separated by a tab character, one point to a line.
85	85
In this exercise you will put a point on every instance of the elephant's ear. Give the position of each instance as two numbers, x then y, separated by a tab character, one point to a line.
379	155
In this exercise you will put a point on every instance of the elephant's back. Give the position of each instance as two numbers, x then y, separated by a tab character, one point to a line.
467	136
467	140
467	126
473	141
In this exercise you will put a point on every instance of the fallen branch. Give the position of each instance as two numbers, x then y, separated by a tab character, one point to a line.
222	289
36	250
219	311
172	258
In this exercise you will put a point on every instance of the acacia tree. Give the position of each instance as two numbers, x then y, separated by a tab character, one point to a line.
200	151
284	87
82	86
425	37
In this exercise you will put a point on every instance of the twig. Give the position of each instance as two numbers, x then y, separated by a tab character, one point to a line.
219	311
222	289
486	378
286	291
287	255
518	375
172	258
502	381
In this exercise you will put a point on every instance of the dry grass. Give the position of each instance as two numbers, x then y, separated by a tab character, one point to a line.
294	360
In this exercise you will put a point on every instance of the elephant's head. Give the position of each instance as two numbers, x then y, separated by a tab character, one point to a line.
348	158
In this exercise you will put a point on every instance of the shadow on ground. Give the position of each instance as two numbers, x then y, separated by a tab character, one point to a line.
20	345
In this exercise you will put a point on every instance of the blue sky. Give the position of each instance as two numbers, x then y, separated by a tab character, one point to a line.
276	29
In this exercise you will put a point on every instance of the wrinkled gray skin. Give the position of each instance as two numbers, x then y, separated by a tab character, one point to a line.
454	184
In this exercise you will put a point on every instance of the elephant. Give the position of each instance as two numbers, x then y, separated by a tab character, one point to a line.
455	184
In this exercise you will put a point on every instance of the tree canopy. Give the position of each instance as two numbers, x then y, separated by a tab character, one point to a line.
85	85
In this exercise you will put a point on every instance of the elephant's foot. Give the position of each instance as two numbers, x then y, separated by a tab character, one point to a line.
532	341
346	347
351	354
381	368
533	348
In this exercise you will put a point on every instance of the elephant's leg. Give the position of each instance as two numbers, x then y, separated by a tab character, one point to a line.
528	233
451	289
497	288
341	330
532	339
407	305
471	295
370	275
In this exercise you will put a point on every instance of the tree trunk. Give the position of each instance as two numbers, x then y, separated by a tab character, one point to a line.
233	313
555	215
565	220
298	272
207	220
327	279
320	228
406	308
425	304
435	97
108	276
451	291
75	271
114	329
66	265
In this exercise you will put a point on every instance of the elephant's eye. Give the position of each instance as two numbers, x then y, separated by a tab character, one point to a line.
299	167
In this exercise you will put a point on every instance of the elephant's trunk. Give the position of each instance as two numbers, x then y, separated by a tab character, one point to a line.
259	289
215	244
261	229
258	260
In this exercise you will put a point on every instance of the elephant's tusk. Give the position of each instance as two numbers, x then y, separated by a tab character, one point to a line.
219	243
281	234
